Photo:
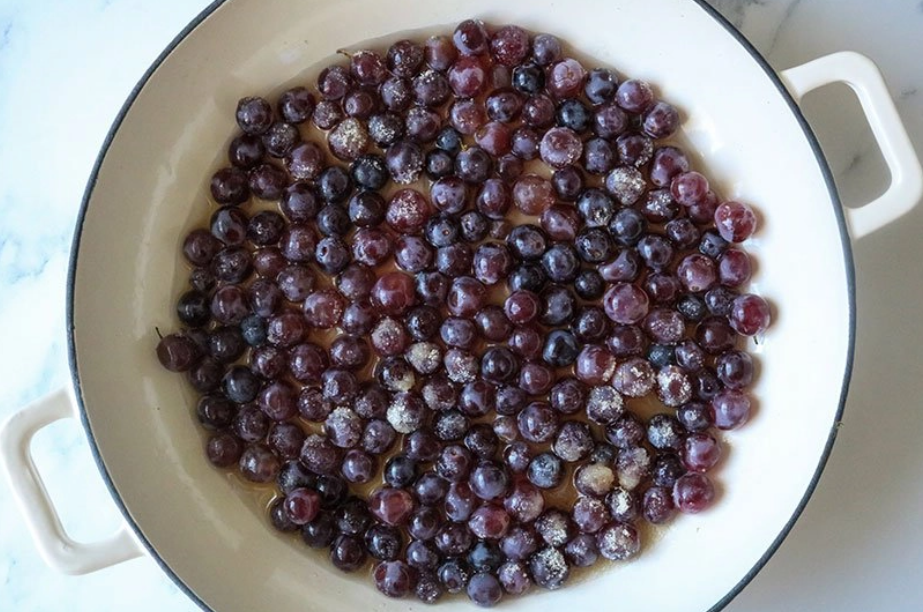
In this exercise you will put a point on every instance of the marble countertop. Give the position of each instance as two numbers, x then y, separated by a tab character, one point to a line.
65	69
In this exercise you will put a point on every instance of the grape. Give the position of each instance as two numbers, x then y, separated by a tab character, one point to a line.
697	273
430	88
391	506
281	138
573	441
327	114
254	115
360	104
693	493
504	105
560	147
549	568
268	181
715	335
730	409
700	452
439	52
484	590
394	578
595	365
626	303
495	138
246	150
599	157
634	96
735	221
566	78
545	471
749	315
393	293
396	95
467	77
358	466
734	369
383	542
528	78
348	140
258	464
301	506
367	68
734	268
405	58
538	111
532	195
178	353
404	160
296	105
661	120
378	437
601	86
229	186
224	450
525	143
408	211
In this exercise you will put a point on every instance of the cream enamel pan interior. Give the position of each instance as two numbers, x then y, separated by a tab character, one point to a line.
150	188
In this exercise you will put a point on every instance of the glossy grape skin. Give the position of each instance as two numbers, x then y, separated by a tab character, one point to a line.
484	590
528	78
749	315
246	150
426	520
473	165
634	95
703	213
545	471
178	353
601	86
626	303
566	78
394	578
693	493
734	268
730	409
697	273
439	52
258	464
734	369
560	147
223	450
660	120
360	104
229	186
735	221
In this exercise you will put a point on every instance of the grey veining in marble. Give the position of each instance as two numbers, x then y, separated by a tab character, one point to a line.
66	67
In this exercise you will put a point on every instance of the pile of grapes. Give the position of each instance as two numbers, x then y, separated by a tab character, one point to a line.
448	286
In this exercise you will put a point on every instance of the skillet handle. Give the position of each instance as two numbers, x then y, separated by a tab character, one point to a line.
54	545
860	73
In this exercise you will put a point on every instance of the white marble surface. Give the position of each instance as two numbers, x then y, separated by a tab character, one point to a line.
66	67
